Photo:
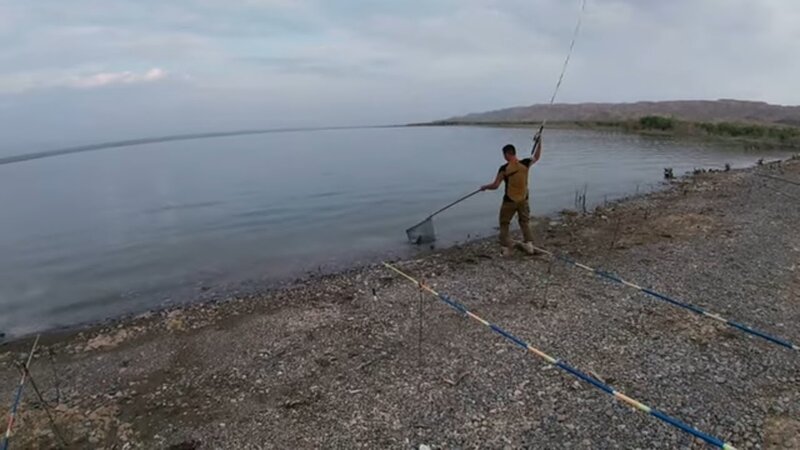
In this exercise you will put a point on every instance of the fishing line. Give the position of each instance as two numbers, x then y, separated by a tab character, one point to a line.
18	397
583	376
780	192
772	177
24	370
675	302
575	34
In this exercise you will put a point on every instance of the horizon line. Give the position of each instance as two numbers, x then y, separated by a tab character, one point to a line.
175	137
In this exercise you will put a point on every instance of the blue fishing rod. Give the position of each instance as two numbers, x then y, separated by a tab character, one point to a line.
571	370
672	301
18	397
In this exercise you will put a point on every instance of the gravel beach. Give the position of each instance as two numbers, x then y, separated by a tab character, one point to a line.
363	359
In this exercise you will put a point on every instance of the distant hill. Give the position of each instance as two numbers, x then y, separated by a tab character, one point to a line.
690	110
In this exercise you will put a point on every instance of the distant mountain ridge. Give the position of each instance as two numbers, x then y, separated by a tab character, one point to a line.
724	110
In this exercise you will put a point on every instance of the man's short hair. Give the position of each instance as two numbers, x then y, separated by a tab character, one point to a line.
509	150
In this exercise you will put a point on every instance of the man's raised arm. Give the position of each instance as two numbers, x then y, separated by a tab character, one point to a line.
537	150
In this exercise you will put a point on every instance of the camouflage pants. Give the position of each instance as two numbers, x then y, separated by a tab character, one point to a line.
523	212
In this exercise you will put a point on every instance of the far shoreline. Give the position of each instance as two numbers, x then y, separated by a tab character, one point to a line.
684	130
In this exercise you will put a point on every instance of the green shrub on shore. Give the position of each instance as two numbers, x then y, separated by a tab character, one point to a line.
738	130
657	123
781	135
748	133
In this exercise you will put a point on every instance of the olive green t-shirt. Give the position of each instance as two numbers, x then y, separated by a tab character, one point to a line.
515	175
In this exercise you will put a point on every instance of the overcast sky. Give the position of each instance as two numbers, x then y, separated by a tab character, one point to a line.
86	70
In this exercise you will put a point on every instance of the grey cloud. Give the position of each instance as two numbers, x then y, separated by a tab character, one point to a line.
289	61
329	67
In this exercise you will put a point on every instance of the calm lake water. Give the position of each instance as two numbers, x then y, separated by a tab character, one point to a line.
94	235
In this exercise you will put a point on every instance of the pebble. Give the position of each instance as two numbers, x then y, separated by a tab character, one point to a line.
657	341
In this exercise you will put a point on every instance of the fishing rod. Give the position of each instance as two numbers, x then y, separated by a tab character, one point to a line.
716	442
18	396
425	232
695	309
537	137
56	430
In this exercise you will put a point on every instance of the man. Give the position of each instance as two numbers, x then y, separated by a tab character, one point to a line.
515	201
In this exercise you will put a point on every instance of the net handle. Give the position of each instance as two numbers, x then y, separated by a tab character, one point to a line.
454	203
